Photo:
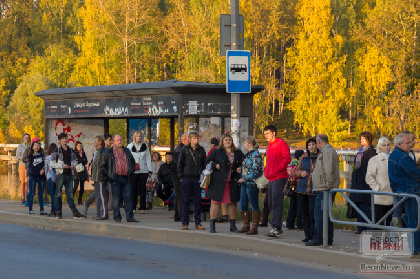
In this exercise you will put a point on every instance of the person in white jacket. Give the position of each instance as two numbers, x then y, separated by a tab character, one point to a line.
377	179
143	171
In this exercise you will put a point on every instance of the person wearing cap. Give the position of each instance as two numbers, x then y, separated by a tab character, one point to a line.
26	139
304	189
63	160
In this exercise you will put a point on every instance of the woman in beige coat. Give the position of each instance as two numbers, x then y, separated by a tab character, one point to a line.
377	178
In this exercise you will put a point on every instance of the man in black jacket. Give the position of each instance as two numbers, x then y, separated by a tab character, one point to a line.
167	177
191	162
177	185
117	165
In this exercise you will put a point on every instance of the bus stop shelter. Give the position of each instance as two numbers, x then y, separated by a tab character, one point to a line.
162	111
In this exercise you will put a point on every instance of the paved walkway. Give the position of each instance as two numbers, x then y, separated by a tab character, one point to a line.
158	225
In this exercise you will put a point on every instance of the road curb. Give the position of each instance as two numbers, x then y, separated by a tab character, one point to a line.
274	247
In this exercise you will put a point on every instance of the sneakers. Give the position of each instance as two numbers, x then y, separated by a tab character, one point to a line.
199	227
42	213
275	233
85	208
77	215
184	228
25	204
132	220
31	212
59	215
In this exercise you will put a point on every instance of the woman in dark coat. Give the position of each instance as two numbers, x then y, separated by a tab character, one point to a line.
358	178
82	176
226	162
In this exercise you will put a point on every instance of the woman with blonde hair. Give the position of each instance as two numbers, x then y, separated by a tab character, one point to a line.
143	170
226	163
252	169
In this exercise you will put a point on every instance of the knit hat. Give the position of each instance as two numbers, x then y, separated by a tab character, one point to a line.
35	139
215	141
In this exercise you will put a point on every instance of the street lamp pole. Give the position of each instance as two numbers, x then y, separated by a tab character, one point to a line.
235	97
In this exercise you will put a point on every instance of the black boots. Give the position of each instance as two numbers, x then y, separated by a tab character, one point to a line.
212	225
233	227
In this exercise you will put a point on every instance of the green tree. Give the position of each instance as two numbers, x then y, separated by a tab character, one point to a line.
26	109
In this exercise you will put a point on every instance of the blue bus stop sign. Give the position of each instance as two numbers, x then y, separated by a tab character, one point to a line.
238	71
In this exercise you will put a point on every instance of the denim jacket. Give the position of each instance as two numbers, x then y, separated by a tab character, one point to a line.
404	175
252	167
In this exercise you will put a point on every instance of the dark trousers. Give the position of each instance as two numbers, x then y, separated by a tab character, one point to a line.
380	211
318	214
275	201
412	212
294	213
138	187
178	200
306	203
122	187
366	209
191	188
51	190
65	180
40	181
82	189
266	211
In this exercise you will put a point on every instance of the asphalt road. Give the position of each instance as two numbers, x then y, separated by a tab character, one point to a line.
40	253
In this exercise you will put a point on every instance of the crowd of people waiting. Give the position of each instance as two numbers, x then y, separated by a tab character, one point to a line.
121	174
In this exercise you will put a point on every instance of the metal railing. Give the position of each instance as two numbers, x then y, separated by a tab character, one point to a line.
370	223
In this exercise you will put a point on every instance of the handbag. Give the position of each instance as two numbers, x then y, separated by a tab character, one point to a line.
137	166
351	212
80	167
262	182
289	191
205	182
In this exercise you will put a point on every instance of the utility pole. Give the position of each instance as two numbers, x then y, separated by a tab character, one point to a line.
235	97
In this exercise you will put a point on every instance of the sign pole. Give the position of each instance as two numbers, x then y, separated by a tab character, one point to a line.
235	97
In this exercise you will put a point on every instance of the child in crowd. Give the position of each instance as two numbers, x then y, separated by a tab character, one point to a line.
36	173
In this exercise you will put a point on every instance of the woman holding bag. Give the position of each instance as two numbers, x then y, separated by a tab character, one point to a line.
143	170
81	174
252	169
226	163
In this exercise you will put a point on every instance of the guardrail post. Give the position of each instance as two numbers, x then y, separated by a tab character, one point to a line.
325	219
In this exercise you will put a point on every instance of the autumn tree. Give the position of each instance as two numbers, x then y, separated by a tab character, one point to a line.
316	81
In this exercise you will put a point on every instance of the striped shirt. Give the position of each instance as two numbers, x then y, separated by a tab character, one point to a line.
121	165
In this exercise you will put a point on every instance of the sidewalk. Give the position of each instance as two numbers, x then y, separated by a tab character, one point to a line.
157	225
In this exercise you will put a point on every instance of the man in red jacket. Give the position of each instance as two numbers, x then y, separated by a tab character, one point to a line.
277	160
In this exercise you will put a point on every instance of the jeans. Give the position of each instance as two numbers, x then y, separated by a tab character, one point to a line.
318	214
191	188
171	197
411	210
367	210
307	207
121	187
249	193
275	201
51	190
66	181
40	180
399	210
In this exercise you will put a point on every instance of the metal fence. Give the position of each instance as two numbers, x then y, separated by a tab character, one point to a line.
370	223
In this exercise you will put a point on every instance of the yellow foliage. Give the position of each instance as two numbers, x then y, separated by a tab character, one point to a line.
14	134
